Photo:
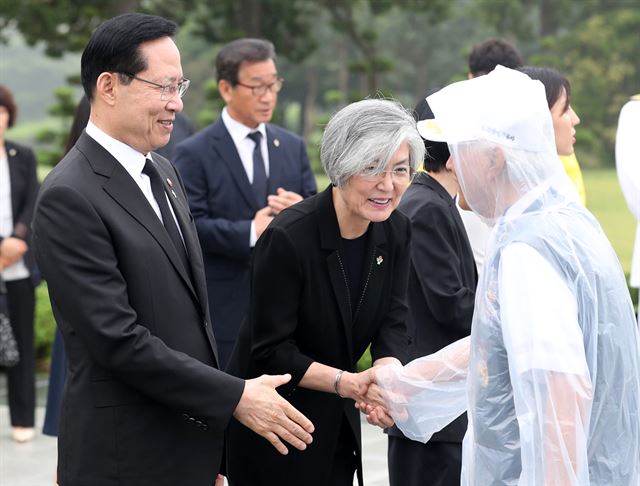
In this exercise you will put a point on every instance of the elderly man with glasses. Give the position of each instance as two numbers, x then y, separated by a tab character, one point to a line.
239	172
145	402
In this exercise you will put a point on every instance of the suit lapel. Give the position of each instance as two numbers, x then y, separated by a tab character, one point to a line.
189	234
15	177
373	276
330	240
125	192
223	144
374	270
172	186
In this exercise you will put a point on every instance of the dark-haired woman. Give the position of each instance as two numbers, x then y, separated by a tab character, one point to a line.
558	92
18	189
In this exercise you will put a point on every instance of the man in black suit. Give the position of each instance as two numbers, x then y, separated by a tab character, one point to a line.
239	172
145	402
442	284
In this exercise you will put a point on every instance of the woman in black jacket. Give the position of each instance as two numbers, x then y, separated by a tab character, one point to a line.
328	278
18	190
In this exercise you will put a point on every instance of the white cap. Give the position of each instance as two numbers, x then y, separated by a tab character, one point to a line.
505	107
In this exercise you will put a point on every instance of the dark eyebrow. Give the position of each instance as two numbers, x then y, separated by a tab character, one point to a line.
403	162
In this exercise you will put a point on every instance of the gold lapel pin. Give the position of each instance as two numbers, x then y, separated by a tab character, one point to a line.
379	260
276	142
12	152
169	182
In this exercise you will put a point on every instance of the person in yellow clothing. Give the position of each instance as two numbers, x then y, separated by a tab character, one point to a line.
572	168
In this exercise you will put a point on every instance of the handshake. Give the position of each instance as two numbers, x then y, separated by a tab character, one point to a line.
367	395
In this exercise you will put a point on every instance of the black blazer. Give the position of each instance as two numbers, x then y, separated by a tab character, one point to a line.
223	204
144	403
442	278
23	180
299	313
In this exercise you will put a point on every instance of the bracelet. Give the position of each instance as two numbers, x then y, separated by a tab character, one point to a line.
337	382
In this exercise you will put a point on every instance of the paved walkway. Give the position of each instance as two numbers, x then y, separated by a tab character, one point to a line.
33	463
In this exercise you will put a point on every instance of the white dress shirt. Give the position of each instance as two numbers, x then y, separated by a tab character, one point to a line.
244	145
133	162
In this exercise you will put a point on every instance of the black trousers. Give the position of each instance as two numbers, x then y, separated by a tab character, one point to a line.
21	377
412	463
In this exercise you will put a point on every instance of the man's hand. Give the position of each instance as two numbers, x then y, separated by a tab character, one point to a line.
282	200
265	412
262	219
11	250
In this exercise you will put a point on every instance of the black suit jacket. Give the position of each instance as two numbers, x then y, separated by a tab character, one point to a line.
23	180
442	278
300	313
144	403
223	204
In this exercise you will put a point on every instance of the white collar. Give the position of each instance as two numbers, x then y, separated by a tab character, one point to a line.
132	160
239	131
521	205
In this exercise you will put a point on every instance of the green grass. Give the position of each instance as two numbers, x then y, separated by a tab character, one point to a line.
606	202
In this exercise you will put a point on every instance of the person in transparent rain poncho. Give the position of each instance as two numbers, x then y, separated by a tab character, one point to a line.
550	373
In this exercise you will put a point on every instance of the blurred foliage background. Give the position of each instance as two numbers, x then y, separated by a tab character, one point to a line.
332	52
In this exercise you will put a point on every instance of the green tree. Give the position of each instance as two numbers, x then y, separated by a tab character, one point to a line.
53	140
67	25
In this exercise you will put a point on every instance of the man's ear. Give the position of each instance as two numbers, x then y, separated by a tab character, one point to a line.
107	87
225	89
497	162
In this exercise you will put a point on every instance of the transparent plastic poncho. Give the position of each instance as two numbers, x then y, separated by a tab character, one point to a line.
552	366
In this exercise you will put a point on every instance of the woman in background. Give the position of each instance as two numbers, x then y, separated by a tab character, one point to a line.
558	92
18	190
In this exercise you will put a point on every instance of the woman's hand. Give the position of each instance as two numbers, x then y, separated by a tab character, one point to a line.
11	250
355	385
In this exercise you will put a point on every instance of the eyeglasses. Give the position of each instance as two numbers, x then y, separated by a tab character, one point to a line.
401	173
261	89
169	91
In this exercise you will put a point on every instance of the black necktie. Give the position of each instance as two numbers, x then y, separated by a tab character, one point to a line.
259	171
169	223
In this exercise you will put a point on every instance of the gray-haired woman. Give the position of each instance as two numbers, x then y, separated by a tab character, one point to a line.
329	278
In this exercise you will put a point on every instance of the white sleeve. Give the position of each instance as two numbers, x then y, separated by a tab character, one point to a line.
628	155
539	314
429	392
552	390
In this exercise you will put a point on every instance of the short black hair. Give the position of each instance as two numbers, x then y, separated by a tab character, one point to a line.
6	100
115	46
486	55
233	54
437	153
553	82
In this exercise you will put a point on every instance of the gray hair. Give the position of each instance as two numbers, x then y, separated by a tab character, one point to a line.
367	133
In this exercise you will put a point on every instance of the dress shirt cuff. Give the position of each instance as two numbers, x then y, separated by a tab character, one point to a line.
252	235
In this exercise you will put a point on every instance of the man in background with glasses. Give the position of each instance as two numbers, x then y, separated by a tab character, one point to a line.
145	401
239	173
